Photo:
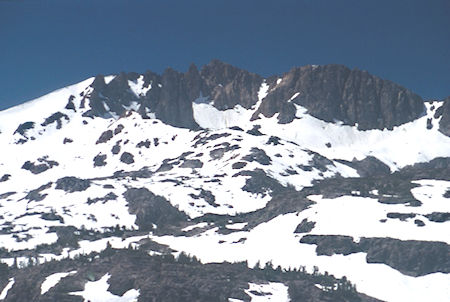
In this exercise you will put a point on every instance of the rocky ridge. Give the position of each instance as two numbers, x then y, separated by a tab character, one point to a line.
329	92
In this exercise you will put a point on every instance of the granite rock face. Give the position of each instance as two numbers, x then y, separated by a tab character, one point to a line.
329	92
112	97
335	92
229	86
170	98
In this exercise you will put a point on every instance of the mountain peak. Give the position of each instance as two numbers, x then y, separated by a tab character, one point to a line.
218	163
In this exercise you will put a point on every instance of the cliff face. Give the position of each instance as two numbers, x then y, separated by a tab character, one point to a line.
334	92
229	86
330	93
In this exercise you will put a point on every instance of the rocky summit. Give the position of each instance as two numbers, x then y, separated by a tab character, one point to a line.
218	184
330	93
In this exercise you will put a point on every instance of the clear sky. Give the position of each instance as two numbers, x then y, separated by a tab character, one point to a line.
48	44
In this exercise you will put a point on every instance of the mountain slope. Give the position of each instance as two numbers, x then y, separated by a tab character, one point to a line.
321	169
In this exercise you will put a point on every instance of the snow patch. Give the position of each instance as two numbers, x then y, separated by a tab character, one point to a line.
209	117
263	91
4	292
109	78
137	87
272	291
97	291
236	226
293	97
54	279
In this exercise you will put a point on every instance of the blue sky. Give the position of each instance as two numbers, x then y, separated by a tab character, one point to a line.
48	44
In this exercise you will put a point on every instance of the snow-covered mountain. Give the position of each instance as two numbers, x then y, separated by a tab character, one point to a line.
323	184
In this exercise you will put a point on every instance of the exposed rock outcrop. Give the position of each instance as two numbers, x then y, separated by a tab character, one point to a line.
127	158
411	257
112	97
229	86
72	184
151	209
100	160
57	118
369	166
23	128
305	226
44	165
334	92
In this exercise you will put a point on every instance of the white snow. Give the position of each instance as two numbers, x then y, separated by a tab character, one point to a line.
109	78
53	280
137	87
431	194
263	91
334	217
97	291
207	116
236	226
4	292
294	96
39	108
404	145
272	291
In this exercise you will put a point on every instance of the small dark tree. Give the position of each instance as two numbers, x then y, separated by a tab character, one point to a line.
315	271
108	250
30	261
183	258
